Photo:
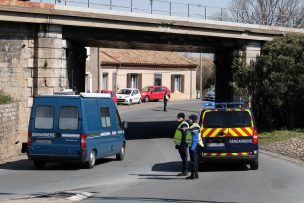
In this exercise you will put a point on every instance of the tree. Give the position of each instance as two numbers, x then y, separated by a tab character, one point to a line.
269	12
276	83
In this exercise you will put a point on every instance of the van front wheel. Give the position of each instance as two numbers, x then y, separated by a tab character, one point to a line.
92	160
121	154
39	164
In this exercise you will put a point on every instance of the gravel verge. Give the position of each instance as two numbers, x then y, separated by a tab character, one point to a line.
293	147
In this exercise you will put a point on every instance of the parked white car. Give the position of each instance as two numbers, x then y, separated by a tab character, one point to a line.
128	96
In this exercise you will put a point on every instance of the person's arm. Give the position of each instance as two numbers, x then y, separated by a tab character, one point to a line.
194	141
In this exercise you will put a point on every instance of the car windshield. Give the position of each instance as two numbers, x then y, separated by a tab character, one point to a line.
124	91
227	119
146	89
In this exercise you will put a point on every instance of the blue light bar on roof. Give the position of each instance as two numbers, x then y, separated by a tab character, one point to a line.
208	105
230	105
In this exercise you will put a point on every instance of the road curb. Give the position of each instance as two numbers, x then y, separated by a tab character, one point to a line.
281	156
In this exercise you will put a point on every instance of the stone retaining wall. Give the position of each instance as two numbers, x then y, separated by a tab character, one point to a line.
10	144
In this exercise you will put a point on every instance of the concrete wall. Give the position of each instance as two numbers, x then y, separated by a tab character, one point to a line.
9	132
148	79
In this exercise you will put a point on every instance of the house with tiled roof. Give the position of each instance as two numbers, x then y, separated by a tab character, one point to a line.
122	68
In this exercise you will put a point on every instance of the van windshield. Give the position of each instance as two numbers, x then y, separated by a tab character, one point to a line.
227	119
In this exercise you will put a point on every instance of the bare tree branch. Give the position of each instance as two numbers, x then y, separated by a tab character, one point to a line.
268	12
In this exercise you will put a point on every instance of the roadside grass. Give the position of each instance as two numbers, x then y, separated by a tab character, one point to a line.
275	136
4	99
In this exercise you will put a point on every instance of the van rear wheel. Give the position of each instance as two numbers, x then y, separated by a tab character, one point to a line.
39	164
254	165
121	154
92	160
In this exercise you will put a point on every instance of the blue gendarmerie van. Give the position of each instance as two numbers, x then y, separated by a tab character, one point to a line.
80	128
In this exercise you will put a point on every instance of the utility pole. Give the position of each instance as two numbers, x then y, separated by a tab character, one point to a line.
201	77
151	2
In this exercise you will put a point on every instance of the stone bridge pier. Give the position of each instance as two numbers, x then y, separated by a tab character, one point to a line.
223	63
58	64
35	59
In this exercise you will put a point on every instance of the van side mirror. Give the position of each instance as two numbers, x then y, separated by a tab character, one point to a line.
124	125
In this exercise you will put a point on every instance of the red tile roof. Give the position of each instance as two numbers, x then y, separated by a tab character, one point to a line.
131	57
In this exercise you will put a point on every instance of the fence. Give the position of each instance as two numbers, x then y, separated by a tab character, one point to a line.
170	8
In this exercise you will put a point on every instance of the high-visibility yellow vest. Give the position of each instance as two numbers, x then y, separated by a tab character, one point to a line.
200	141
178	135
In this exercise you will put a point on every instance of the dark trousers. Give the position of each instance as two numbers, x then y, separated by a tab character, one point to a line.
183	152
194	160
165	105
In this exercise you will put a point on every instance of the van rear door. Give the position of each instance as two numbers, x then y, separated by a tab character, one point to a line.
68	130
42	125
227	132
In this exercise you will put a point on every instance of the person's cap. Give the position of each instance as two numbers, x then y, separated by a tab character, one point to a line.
193	117
181	115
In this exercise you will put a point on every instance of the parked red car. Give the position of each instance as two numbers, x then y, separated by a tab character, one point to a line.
154	93
113	94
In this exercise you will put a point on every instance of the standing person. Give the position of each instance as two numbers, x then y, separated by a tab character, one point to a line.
182	140
166	99
196	145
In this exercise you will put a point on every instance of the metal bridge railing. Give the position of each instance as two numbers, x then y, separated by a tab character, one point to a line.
167	8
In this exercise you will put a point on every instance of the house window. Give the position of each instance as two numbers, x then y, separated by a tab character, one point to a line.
134	81
177	83
105	81
157	79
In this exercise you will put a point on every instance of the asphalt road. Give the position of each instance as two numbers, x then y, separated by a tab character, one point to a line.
148	173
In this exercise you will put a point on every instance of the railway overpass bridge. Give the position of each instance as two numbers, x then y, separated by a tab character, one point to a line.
42	45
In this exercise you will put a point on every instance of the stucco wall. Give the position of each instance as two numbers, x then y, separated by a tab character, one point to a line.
148	79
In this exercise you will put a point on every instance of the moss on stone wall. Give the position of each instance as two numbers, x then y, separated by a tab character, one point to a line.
4	99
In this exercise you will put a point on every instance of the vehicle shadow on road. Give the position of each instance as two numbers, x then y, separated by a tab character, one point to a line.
175	166
150	130
152	199
27	165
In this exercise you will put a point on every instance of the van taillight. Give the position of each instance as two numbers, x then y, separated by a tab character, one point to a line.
29	138
255	137
83	141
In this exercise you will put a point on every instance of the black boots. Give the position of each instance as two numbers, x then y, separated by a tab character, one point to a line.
194	175
182	174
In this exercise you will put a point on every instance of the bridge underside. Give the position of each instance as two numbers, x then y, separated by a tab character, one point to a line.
126	39
223	48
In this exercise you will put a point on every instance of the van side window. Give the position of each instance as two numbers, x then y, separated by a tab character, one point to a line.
68	118
118	120
44	117
105	117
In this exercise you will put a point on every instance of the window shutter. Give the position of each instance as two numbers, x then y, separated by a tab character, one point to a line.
140	81
128	80
114	82
172	83
183	83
